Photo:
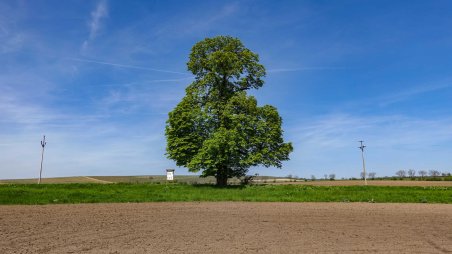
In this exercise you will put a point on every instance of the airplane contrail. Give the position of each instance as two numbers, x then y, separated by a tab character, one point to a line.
125	66
320	68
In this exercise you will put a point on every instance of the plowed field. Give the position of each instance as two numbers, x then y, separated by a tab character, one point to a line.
227	227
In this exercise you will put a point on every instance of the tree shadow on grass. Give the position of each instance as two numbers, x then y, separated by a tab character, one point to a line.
212	186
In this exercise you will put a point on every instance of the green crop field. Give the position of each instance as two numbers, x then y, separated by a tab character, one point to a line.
124	192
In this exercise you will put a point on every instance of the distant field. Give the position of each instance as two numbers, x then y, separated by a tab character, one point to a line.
74	179
137	179
111	179
373	183
211	180
156	179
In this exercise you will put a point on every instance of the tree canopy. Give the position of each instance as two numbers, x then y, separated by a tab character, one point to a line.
217	128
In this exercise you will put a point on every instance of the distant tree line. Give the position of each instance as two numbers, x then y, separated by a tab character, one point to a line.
430	175
422	173
434	175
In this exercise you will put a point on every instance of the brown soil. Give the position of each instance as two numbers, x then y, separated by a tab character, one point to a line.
227	227
371	182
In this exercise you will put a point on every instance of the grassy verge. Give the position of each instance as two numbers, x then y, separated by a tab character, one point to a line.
116	193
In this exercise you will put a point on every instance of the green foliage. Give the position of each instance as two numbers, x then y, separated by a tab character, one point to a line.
121	193
217	128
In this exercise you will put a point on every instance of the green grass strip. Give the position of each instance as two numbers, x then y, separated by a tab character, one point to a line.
122	192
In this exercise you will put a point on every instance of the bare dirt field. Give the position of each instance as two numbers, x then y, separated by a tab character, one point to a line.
227	227
372	182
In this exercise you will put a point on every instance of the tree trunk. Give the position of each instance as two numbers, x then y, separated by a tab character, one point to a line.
222	177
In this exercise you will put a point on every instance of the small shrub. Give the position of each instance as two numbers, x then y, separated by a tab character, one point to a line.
246	180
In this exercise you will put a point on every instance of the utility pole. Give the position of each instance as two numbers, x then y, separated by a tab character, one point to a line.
43	144
364	164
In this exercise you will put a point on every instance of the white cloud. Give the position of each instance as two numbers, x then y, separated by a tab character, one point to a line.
16	100
11	37
78	144
194	23
329	144
338	131
412	92
313	68
97	15
87	150
138	97
95	22
101	141
126	66
11	42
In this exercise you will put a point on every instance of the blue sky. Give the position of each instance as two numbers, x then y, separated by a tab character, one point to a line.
99	77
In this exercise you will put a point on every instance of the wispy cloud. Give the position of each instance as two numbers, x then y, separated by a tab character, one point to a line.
11	37
26	114
3	29
126	66
330	143
100	149
314	68
146	82
14	112
226	11
78	143
338	130
412	92
132	100
95	22
11	43
96	17
194	23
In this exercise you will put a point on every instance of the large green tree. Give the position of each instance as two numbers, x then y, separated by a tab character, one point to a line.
217	128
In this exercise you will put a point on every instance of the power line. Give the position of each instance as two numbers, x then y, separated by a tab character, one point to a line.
364	164
43	144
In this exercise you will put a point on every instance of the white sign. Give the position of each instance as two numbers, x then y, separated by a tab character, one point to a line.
170	175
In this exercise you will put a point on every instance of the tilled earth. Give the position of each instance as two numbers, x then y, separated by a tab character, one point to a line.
227	227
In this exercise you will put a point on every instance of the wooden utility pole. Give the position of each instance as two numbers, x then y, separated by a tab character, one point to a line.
43	144
364	164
